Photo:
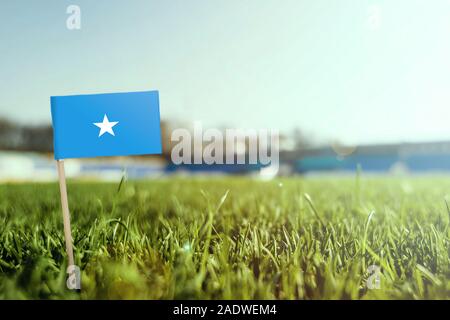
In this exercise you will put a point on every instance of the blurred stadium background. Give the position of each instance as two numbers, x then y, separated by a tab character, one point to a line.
371	73
26	154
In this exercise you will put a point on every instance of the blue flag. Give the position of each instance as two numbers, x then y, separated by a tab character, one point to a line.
114	124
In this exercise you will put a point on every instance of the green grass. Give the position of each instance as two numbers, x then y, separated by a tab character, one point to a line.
229	238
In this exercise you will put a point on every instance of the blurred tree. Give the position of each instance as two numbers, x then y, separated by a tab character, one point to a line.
26	138
301	140
37	138
10	136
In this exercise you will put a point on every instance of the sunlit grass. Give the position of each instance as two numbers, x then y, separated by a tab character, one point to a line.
230	238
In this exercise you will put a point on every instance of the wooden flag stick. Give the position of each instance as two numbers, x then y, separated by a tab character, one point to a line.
65	210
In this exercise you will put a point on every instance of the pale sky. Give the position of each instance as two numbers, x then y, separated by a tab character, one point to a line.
329	67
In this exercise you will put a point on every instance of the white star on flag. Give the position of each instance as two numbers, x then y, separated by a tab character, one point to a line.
106	126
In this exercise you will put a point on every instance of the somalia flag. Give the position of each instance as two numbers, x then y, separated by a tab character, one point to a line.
113	124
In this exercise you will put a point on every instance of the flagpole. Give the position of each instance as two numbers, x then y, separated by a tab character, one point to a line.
65	210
